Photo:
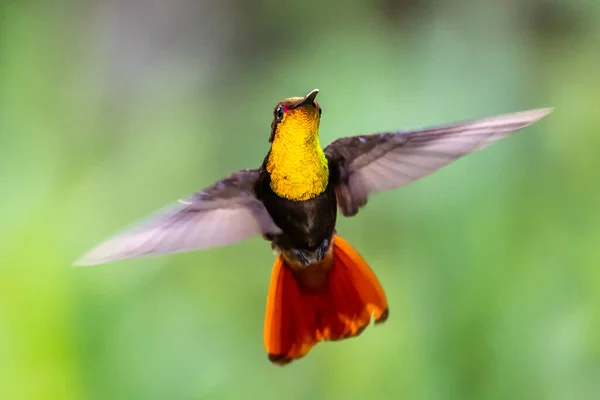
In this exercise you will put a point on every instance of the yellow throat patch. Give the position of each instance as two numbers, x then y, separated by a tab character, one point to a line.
297	164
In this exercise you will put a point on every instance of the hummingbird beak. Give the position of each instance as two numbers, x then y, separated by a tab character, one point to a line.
310	98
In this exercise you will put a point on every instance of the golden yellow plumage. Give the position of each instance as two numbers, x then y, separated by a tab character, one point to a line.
297	163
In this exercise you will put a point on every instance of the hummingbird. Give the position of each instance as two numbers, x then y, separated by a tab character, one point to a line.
321	289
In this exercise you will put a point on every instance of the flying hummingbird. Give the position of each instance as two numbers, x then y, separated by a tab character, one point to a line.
321	288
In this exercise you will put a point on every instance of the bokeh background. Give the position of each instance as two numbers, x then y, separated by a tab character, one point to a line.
112	109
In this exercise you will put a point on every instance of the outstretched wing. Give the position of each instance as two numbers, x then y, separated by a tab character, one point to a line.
224	213
370	163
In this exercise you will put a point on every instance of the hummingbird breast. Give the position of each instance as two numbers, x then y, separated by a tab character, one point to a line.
307	226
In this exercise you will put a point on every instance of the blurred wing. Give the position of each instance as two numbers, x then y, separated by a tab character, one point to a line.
224	213
371	163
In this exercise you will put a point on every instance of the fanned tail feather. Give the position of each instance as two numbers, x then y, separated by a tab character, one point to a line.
329	302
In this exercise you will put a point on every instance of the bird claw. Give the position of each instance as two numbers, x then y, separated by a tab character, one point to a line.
301	257
322	252
309	257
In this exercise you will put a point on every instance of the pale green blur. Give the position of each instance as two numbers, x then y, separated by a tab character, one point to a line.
110	110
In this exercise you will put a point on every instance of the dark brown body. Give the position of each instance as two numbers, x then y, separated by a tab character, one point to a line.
307	226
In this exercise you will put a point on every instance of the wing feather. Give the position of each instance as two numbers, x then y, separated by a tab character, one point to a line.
371	163
224	213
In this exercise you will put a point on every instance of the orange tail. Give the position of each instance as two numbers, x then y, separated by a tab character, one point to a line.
328	302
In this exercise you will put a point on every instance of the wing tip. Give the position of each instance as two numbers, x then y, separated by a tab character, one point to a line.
80	262
89	259
104	253
539	113
517	120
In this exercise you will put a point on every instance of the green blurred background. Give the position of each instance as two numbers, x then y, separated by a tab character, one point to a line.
112	109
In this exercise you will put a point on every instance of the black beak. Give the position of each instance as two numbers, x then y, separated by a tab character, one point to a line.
310	98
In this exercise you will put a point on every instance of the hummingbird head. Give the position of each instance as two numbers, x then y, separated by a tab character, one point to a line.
296	162
296	119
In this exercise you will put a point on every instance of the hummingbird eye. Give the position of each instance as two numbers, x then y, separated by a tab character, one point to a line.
318	107
279	112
